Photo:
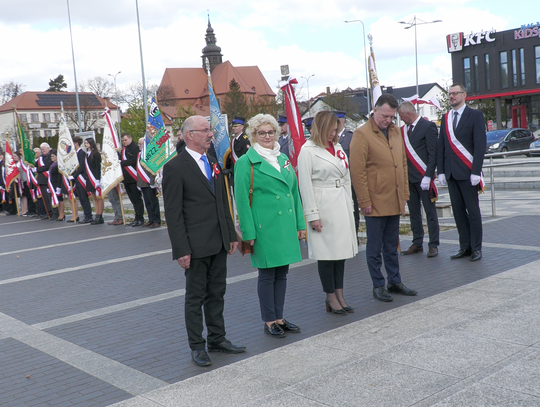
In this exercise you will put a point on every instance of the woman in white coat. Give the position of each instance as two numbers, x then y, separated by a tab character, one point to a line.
325	188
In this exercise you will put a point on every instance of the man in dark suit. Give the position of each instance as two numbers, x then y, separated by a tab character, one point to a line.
201	233
129	158
420	137
460	156
42	169
78	176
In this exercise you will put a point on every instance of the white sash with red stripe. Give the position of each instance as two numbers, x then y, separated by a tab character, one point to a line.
36	192
129	168
92	179
54	198
418	163
458	148
142	173
68	186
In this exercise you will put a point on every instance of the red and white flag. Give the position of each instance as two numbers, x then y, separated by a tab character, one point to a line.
11	170
294	120
111	171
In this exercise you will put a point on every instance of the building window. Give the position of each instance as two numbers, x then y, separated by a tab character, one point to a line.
475	73
503	60
514	68
467	73
486	66
537	57
48	133
36	133
46	117
23	118
522	65
34	117
57	117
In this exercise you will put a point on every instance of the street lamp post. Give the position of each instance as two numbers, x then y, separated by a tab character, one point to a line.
413	23
308	100
365	61
117	110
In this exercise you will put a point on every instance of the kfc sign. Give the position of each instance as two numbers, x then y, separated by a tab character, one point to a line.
527	31
457	41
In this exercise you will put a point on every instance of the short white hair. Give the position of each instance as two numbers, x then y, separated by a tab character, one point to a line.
260	120
44	145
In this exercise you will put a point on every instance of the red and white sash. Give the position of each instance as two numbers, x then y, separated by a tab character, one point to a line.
142	173
31	179
54	198
129	168
69	187
458	148
415	159
92	179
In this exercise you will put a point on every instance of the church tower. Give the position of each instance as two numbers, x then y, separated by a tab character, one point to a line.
211	51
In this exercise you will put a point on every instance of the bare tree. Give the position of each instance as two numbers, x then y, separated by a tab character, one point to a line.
9	90
100	86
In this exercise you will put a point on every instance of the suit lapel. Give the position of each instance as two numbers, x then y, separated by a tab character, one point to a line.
323	154
264	167
463	119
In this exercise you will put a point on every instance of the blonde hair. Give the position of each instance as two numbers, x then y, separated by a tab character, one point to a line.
260	120
323	124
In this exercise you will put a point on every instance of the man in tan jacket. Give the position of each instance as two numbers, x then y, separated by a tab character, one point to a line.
379	176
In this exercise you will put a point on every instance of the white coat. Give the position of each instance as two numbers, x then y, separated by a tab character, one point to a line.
325	188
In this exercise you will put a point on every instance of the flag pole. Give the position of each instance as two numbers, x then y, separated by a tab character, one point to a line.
74	70
16	200
121	203
145	96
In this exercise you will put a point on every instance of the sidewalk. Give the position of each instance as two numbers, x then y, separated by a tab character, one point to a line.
477	345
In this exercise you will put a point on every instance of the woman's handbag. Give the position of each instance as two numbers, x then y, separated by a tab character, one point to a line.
245	247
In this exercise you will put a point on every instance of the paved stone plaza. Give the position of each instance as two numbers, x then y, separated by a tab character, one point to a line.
93	315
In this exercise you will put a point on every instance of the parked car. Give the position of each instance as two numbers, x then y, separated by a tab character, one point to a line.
535	144
500	141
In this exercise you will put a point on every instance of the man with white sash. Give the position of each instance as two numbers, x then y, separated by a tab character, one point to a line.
460	156
420	139
129	156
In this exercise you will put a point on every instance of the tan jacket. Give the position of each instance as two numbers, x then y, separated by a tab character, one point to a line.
379	169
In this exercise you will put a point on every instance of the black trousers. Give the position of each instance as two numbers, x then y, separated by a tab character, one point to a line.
415	209
271	287
331	273
135	196
152	204
383	237
206	282
46	198
83	199
466	208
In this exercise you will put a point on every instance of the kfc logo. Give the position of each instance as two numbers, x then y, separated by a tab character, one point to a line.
457	41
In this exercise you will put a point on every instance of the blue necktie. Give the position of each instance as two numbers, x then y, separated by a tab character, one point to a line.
207	167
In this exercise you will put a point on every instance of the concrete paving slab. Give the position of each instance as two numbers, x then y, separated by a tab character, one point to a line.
480	395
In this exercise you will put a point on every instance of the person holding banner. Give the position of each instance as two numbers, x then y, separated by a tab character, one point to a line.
129	157
93	176
271	220
43	163
420	138
460	157
147	184
79	176
56	180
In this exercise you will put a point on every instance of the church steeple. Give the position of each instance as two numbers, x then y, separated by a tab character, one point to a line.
211	51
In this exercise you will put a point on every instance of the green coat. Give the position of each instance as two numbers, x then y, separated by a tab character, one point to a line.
276	214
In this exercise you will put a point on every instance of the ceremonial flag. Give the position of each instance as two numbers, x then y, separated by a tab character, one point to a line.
66	154
157	146
11	171
111	170
414	99
217	123
375	87
29	156
294	120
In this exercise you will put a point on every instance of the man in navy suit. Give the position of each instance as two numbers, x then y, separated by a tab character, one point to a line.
420	137
202	233
462	145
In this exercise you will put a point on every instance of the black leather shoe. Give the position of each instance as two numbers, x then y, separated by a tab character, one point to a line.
87	220
329	308
137	223
200	357
475	255
399	288
381	294
274	330
287	326
226	346
413	249
461	253
349	309
432	252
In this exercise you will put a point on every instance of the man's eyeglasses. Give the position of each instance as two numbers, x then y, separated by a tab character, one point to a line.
266	133
454	93
207	131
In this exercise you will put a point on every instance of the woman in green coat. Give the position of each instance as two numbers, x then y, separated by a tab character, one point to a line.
274	222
